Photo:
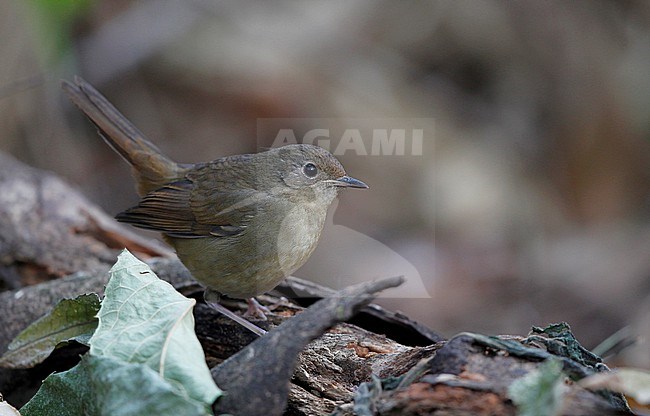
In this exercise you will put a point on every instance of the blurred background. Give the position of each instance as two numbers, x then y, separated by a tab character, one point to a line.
530	203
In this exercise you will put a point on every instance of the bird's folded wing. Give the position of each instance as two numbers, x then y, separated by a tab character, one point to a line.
180	210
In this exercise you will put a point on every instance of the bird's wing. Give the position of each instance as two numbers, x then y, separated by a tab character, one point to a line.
211	201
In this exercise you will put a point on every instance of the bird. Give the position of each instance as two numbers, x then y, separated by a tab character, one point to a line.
240	224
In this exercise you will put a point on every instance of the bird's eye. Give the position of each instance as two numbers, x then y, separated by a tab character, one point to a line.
310	170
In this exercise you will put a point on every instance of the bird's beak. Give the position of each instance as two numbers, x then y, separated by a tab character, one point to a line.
348	182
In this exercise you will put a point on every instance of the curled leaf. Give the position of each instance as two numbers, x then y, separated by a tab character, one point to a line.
145	320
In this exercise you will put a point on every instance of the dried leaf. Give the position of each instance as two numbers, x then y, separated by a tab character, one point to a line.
632	382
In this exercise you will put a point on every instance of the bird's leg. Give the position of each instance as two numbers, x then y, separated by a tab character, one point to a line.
255	310
212	299
282	302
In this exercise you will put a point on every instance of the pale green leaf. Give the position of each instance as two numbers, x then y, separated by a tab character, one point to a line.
106	386
540	392
144	320
8	410
632	382
71	319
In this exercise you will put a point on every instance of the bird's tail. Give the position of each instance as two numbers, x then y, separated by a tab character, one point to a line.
151	168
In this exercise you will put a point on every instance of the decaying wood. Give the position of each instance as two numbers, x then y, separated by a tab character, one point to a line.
257	377
331	368
373	317
49	230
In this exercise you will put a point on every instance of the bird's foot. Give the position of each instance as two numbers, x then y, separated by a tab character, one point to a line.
212	300
255	310
282	302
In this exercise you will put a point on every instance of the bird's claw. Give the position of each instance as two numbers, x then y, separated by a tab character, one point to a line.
255	310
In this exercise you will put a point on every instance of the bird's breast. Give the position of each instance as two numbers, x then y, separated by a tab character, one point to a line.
298	235
277	241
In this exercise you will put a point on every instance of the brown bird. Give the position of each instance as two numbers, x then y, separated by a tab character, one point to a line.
240	224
